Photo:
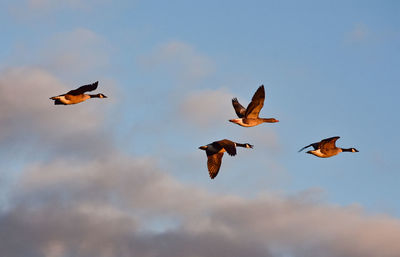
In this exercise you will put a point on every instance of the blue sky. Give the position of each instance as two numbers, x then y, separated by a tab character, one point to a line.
170	70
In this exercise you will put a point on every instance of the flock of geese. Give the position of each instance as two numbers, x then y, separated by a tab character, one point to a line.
247	117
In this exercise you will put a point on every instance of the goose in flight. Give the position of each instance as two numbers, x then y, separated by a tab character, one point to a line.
249	117
77	95
216	150
327	148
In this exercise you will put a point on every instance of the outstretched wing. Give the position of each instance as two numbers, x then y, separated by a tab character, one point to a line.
314	145
214	163
239	109
328	143
228	145
257	103
84	89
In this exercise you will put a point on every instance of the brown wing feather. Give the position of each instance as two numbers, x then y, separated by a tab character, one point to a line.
228	145
83	89
257	103
328	143
239	109
214	163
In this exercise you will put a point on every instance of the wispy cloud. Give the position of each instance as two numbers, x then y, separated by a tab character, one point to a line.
80	52
182	60
77	51
53	3
205	108
24	9
360	32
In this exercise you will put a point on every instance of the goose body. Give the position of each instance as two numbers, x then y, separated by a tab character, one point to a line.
327	148
215	152
249	117
77	95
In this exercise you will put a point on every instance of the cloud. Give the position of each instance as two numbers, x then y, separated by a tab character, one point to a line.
359	33
206	108
77	53
179	59
78	234
266	140
52	3
101	208
104	207
80	49
24	9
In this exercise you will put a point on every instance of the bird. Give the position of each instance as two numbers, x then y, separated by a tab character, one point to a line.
216	150
77	95
249	117
327	148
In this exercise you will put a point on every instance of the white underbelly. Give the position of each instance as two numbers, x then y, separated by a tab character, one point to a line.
318	153
63	100
241	123
322	155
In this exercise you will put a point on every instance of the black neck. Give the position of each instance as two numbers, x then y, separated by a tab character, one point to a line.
241	145
347	149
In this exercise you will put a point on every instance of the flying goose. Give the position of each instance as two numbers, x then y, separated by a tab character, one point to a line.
249	117
216	150
77	95
327	148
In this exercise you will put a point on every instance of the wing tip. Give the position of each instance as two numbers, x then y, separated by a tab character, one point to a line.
303	148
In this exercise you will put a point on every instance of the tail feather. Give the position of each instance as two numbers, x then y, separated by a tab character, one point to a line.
58	102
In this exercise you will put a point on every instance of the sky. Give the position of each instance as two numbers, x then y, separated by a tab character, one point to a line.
123	176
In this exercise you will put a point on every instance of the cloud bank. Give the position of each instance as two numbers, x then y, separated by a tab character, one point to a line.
105	207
